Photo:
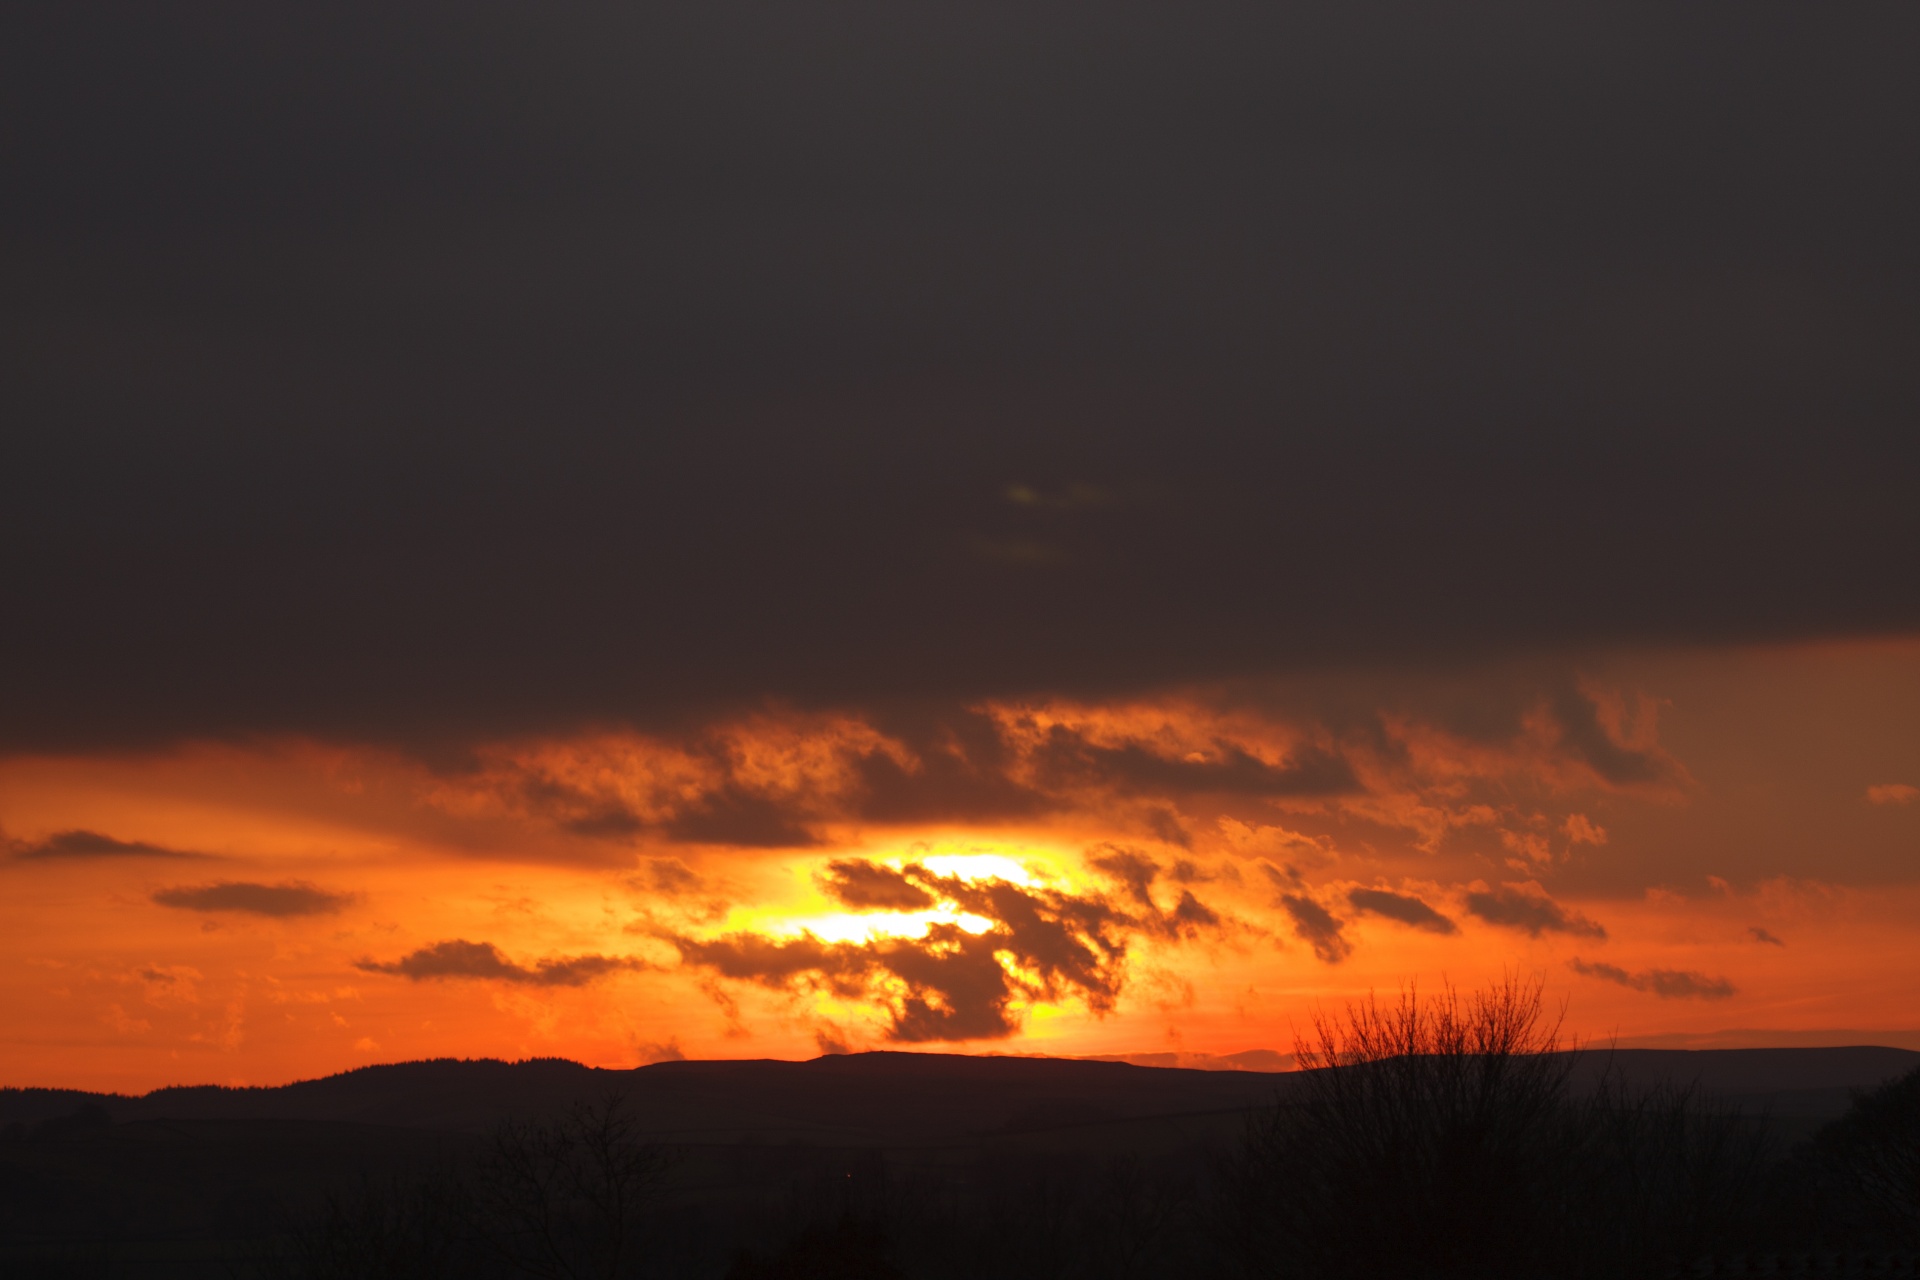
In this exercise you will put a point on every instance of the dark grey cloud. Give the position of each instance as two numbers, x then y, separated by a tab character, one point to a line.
1068	759
1136	873
734	815
605	822
429	371
462	959
91	844
948	764
1668	984
1763	935
1190	916
955	985
1402	907
282	901
959	768
1532	913
1317	927
1132	870
1165	825
669	876
1584	736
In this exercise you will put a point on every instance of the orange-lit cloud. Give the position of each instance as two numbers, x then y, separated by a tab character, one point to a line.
1188	874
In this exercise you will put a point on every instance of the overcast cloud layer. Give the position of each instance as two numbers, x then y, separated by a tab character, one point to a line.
431	371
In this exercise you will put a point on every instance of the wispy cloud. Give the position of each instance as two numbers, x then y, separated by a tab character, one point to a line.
1518	907
459	958
1402	907
1317	927
1668	984
79	844
291	898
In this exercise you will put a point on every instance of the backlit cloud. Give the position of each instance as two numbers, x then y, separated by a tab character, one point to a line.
1166	767
1892	793
958	955
864	885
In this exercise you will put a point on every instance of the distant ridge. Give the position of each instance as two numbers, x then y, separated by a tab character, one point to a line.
882	1098
1245	1060
1759	1039
854	1098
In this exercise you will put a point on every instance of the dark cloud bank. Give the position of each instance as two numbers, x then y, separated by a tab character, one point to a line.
426	370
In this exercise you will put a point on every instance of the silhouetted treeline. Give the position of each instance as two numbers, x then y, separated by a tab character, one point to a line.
1432	1137
567	1198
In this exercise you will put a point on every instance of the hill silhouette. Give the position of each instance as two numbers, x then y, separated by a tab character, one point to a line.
169	1181
884	1097
870	1097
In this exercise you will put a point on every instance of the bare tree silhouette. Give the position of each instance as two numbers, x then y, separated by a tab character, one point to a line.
416	1228
564	1199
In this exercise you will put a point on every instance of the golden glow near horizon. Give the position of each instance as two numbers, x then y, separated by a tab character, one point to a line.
1724	846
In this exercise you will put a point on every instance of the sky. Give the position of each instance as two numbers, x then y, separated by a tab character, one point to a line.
751	531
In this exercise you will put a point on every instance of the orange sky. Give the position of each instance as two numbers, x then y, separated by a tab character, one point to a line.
1681	843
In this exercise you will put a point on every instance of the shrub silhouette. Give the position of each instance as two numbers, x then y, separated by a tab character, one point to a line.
1865	1166
1421	1139
1441	1137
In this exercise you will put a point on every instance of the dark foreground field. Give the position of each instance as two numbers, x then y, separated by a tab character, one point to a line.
869	1165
